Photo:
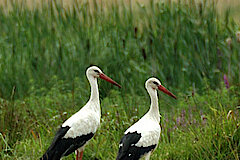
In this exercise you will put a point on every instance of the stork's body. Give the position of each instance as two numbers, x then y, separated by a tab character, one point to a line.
142	138
76	131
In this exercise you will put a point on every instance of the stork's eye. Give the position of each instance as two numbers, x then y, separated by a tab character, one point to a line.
155	83
96	71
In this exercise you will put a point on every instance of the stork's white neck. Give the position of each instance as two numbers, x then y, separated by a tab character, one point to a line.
94	89
153	111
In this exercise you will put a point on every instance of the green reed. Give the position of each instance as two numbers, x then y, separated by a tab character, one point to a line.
179	43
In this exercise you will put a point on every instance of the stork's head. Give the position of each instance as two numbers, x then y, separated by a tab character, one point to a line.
95	72
155	84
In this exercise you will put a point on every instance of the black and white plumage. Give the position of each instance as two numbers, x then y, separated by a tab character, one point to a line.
142	138
76	131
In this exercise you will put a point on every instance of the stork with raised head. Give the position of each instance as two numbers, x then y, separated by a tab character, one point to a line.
142	138
76	131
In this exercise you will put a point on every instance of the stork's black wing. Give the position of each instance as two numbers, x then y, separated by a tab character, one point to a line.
64	146
128	149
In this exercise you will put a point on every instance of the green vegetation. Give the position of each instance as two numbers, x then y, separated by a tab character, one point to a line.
44	54
193	127
179	44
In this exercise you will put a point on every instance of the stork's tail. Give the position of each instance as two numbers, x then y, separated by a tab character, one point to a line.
46	157
50	155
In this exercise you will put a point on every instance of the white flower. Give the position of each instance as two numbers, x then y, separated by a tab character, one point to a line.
230	113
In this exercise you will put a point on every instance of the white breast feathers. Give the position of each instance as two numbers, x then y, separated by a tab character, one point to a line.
150	132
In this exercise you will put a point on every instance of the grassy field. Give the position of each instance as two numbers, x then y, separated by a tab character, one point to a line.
193	127
44	54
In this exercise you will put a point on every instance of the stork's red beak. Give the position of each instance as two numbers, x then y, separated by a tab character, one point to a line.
163	89
106	78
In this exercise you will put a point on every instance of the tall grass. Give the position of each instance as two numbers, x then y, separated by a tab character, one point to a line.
180	44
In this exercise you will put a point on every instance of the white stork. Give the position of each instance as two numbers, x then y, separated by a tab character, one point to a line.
142	138
76	131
